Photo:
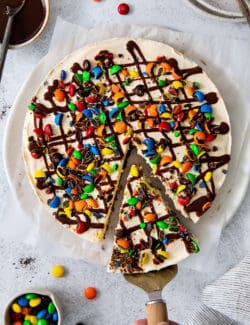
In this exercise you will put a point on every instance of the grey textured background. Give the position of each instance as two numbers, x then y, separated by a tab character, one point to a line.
117	302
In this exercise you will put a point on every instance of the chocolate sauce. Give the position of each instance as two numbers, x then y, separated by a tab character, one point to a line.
26	23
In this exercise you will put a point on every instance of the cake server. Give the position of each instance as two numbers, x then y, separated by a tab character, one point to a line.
11	12
153	283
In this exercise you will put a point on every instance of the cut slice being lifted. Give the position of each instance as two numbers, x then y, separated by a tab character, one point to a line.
149	236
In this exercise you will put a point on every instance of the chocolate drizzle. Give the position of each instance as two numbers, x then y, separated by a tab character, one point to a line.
94	99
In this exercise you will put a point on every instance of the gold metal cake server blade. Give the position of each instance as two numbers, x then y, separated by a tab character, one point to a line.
153	283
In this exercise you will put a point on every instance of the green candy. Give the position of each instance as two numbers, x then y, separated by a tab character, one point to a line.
208	115
195	149
130	252
125	83
102	118
42	322
30	296
191	177
161	83
114	167
59	181
110	138
155	160
162	224
77	154
113	145
196	85
84	196
32	107
143	225
115	69
86	75
172	219
133	201
89	188
72	106
123	104
196	246
176	134
51	308
192	131
27	322
93	172
119	116
79	77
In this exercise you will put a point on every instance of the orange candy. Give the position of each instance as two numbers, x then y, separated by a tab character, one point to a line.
115	88
59	95
25	311
123	243
100	130
149	68
152	111
166	66
17	323
90	293
80	205
120	127
186	167
150	217
165	160
118	96
150	122
190	91
129	109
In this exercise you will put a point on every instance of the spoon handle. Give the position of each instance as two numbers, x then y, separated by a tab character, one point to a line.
156	311
5	44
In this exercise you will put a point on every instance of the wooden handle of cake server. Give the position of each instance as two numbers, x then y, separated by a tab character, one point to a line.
156	311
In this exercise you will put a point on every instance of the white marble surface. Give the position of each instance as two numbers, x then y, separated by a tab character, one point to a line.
117	302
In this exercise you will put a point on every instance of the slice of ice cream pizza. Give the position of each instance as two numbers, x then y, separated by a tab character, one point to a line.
148	236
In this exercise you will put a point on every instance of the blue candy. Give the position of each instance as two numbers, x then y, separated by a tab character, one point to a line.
203	184
87	113
68	190
162	108
113	112
97	71
63	162
198	127
95	150
206	108
200	96
55	317
171	124
149	153
95	109
55	202
98	215
149	143
106	102
88	178
63	75
22	301
41	314
165	241
58	118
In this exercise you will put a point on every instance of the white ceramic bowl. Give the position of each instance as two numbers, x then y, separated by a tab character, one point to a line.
40	31
44	292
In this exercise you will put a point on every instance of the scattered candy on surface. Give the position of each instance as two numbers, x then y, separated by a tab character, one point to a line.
123	9
90	293
57	271
33	309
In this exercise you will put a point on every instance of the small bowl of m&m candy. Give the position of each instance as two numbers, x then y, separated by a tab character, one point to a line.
33	307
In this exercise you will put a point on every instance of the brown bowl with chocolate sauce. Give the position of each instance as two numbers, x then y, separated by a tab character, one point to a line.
28	24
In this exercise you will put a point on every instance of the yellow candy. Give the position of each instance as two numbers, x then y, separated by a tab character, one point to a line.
167	115
90	167
201	154
129	132
176	164
16	308
180	188
31	318
107	151
35	302
134	171
59	173
68	212
177	84
208	177
145	259
57	271
133	74
162	253
123	251
101	87
160	149
88	213
40	174
107	168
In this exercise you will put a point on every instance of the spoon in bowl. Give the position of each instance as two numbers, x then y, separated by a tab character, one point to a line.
11	12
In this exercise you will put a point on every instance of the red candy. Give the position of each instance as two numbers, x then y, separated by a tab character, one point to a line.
80	106
47	130
38	132
123	8
80	228
183	200
210	137
71	90
90	131
164	126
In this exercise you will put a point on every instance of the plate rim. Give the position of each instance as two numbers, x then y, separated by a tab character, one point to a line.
213	14
220	11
